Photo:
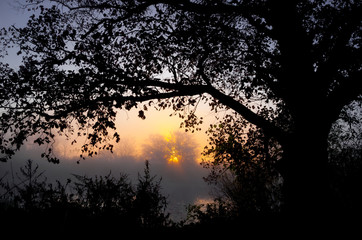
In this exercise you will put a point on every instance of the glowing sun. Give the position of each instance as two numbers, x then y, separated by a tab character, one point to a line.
174	157
172	154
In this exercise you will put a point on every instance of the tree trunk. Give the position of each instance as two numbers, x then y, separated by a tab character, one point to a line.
304	168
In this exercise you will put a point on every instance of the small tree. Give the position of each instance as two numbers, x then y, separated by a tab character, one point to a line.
30	187
149	203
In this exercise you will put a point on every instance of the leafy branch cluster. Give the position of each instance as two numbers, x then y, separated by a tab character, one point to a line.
243	166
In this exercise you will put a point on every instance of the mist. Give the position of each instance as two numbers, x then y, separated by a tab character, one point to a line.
182	182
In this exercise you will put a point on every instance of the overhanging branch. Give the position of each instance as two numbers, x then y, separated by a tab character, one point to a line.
189	90
268	127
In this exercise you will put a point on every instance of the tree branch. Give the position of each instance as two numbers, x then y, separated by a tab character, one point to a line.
189	90
268	127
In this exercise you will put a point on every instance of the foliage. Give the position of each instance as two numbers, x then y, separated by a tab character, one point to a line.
243	166
102	202
267	60
345	139
217	211
104	196
84	59
345	154
149	203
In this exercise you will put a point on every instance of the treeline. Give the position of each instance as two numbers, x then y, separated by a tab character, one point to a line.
83	204
106	205
114	205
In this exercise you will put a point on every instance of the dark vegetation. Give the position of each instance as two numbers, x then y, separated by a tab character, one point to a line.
248	192
244	170
85	205
286	70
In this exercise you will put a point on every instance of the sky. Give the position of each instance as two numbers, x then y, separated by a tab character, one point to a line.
174	154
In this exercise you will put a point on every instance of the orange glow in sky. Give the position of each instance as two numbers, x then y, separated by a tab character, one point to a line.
174	157
172	154
135	133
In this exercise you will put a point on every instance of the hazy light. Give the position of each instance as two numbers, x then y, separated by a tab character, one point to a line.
174	157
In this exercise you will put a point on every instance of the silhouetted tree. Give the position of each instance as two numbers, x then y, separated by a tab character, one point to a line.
243	164
27	193
149	203
345	154
345	138
82	60
243	167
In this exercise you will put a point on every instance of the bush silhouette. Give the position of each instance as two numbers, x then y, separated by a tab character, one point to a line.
92	204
